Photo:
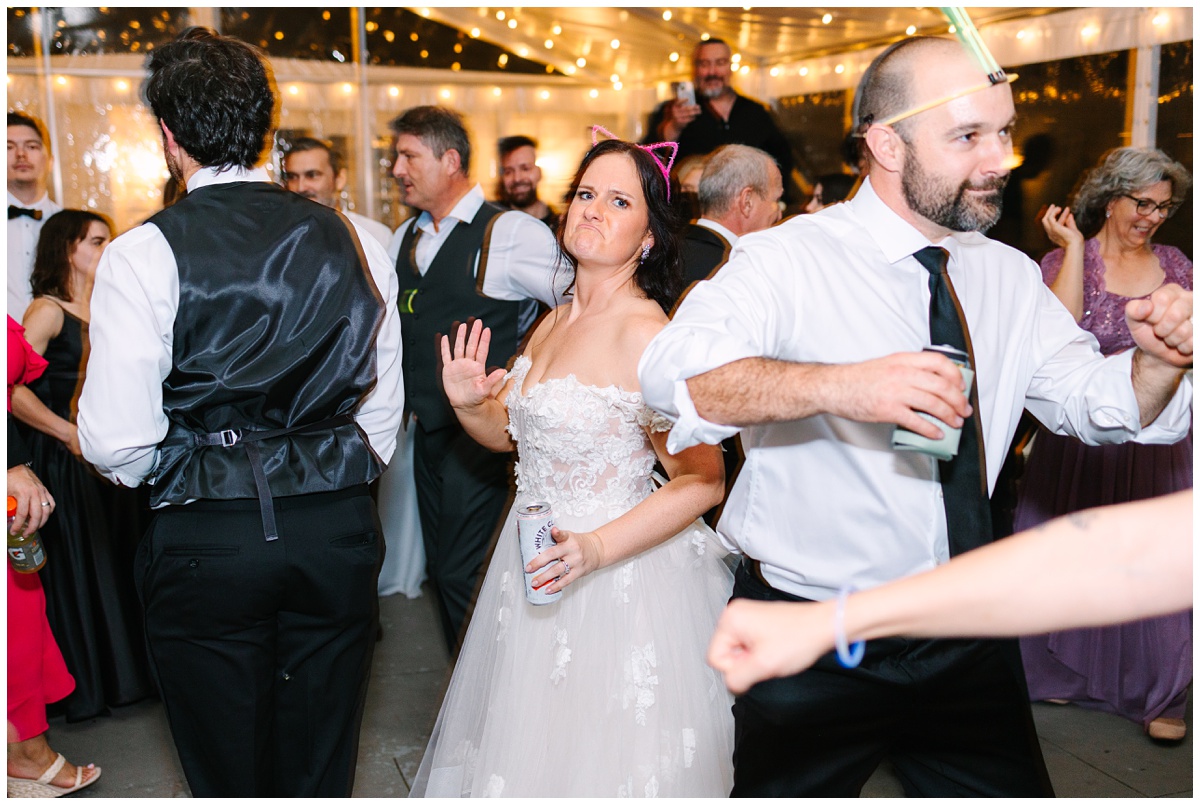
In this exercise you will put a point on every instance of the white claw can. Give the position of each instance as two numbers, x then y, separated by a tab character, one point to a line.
533	531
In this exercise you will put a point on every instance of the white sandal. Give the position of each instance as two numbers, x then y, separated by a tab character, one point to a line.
42	787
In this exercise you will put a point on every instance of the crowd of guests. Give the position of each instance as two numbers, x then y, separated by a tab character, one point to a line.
666	357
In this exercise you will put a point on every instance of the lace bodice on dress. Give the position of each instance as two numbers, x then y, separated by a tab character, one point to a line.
582	448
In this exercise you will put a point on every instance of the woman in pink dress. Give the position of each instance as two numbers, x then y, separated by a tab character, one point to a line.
1141	670
37	674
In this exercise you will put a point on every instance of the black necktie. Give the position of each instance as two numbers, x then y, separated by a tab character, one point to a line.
964	478
16	212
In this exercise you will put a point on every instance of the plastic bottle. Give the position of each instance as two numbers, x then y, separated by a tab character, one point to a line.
24	550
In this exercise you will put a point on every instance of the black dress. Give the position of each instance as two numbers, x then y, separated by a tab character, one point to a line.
90	540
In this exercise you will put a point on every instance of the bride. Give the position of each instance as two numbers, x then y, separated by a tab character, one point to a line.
605	692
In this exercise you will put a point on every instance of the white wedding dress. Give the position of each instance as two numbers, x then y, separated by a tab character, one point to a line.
605	692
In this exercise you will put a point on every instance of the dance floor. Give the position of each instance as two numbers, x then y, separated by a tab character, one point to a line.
1089	754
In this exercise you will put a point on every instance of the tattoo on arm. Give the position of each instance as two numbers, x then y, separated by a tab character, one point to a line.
1081	520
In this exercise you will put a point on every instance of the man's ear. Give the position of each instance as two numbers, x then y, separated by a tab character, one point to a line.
452	160
168	137
746	200
886	147
537	174
339	181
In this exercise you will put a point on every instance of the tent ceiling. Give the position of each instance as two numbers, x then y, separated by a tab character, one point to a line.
762	35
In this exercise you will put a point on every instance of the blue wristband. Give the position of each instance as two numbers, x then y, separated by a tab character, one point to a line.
848	656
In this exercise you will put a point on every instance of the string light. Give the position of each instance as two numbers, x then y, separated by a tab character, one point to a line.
545	94
617	86
910	30
594	93
497	91
394	92
512	23
616	43
556	30
581	62
500	16
474	33
666	16
828	18
674	57
803	71
549	44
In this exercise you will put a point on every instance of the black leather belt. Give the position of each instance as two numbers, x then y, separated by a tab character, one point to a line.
249	438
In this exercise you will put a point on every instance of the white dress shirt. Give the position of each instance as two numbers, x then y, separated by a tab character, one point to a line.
719	228
369	225
522	255
121	419
825	502
23	235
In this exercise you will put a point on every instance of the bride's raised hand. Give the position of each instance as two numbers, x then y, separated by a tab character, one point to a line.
578	553
464	369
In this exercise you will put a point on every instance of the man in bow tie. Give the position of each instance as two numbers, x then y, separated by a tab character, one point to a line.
28	204
809	343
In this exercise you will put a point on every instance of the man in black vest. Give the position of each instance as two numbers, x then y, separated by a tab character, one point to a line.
245	361
461	258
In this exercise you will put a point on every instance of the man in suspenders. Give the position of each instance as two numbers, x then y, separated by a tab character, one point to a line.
461	258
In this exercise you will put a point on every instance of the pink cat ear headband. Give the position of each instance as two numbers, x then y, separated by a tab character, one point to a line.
652	150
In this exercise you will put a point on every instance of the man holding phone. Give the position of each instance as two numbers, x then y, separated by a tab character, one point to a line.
712	114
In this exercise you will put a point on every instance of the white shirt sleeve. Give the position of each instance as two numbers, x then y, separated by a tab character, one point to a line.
379	411
136	294
1074	394
743	312
522	262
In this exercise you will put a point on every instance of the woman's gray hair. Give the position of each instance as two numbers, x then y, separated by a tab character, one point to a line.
1121	172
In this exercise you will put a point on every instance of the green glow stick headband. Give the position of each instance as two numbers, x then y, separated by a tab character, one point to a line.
968	36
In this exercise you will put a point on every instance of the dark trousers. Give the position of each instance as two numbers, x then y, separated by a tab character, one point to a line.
953	717
262	650
462	489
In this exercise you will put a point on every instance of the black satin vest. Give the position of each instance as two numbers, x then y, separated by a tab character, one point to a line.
449	292
275	329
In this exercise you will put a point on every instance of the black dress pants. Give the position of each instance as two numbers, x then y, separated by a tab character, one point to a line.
952	716
462	489
262	650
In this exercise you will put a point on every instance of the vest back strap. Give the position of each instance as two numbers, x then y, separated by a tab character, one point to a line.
248	439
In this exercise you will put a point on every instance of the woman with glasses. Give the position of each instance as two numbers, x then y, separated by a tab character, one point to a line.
1140	670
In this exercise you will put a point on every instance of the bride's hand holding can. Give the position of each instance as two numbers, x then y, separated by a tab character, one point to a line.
580	553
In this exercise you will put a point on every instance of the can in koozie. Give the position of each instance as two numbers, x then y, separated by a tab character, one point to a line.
533	530
945	448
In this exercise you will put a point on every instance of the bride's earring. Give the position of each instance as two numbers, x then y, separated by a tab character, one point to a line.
645	252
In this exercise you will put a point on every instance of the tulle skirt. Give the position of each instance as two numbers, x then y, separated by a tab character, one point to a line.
603	693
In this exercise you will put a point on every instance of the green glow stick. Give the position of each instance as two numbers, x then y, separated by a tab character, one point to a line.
968	36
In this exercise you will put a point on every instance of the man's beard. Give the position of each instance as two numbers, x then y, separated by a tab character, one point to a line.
522	195
713	90
935	201
173	166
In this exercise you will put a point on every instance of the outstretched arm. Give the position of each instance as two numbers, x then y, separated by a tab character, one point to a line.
892	389
1126	562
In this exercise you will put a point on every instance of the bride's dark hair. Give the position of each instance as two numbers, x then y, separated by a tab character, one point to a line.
660	275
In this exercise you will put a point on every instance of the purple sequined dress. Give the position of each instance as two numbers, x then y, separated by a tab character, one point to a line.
1140	670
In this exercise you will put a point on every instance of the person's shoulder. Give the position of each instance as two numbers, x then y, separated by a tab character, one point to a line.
1172	255
641	322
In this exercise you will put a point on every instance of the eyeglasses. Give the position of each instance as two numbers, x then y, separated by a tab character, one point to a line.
1145	206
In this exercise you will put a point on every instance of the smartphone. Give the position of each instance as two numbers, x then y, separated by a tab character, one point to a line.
684	92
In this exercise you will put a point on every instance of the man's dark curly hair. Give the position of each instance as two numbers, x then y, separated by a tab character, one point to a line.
216	95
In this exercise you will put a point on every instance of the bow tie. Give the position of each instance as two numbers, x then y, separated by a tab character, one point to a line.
16	212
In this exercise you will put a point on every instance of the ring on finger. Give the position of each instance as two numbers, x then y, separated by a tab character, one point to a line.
45	503
566	567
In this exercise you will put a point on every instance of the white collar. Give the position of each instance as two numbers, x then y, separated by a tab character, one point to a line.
209	176
465	210
894	236
719	228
